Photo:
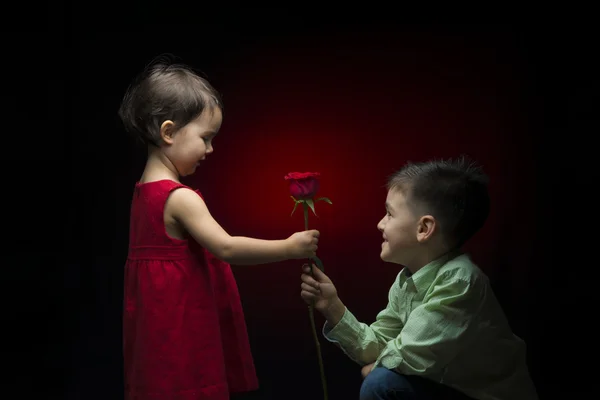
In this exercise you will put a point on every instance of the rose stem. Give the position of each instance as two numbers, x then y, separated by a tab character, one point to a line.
312	318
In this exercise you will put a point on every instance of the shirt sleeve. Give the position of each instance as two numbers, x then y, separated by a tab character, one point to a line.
361	342
436	330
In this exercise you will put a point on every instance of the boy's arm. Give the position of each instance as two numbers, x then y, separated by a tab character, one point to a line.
436	331
361	342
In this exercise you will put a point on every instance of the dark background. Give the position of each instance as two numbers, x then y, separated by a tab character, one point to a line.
353	101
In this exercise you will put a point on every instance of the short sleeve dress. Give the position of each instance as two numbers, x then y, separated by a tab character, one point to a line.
184	332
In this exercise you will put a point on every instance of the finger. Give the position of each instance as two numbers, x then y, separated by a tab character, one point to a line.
310	281
310	289
319	275
306	269
307	296
315	233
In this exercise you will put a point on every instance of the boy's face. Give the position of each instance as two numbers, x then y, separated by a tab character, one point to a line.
400	230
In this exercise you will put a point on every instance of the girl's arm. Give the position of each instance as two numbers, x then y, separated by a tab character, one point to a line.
187	208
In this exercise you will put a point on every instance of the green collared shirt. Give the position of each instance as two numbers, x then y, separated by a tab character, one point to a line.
442	322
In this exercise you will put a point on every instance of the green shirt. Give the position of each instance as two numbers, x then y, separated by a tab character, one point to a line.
445	323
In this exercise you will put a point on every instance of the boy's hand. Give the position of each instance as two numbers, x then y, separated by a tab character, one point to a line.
319	291
303	244
366	370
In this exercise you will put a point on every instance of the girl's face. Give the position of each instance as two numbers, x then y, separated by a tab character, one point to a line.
191	144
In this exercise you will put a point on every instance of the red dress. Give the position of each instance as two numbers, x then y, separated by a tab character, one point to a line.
184	333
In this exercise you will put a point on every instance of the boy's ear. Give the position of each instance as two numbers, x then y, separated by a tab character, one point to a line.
426	226
167	130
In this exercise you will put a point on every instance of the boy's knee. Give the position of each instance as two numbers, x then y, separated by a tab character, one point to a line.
383	384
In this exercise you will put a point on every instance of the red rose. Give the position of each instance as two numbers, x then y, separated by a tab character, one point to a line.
303	185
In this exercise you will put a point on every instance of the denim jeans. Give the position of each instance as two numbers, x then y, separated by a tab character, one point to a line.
384	384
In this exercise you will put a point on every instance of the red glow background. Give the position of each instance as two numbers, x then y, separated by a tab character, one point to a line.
354	107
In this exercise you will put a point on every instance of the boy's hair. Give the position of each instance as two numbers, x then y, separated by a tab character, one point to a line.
165	91
454	192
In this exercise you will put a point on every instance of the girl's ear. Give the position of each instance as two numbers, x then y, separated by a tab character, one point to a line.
167	130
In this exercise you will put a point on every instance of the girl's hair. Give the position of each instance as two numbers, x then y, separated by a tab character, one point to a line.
165	91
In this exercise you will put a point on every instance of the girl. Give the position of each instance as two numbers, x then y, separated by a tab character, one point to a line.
184	334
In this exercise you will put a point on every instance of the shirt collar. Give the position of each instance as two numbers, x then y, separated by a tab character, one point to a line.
423	278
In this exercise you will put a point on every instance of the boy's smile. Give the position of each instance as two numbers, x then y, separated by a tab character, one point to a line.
399	228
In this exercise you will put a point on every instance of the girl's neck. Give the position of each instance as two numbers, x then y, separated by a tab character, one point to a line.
158	167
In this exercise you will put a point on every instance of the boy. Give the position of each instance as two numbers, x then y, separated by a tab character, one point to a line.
443	334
